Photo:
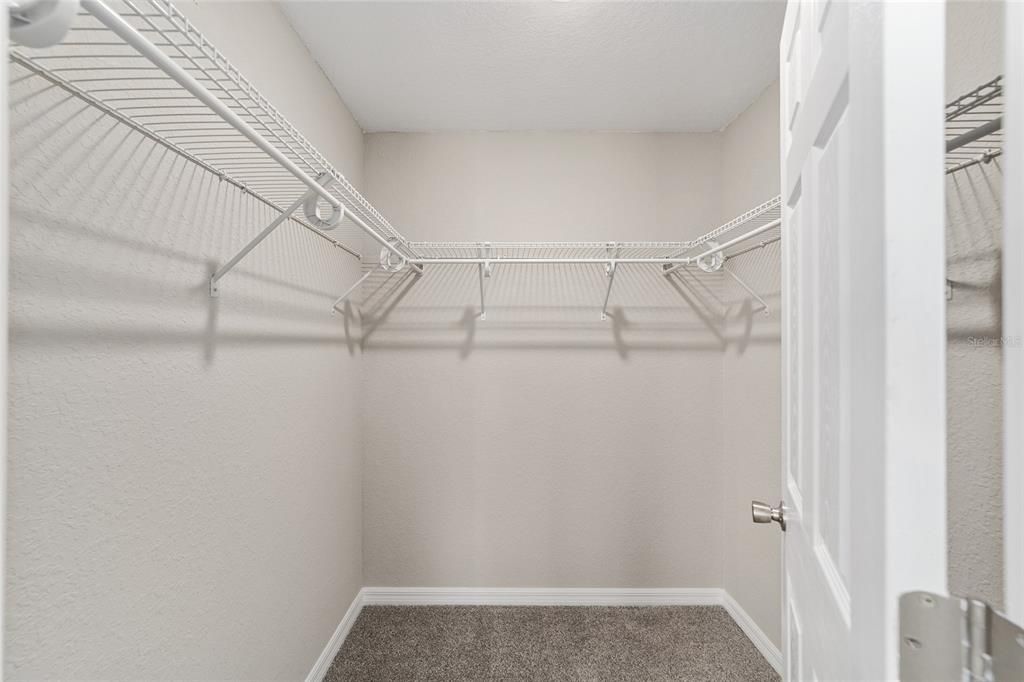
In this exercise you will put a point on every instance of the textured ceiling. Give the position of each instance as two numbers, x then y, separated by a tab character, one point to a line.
642	66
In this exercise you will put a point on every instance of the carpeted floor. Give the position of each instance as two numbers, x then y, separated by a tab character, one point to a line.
547	643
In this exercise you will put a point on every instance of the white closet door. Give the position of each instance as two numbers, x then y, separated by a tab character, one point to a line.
4	263
1013	312
864	333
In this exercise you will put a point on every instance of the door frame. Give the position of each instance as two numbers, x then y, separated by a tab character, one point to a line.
904	272
1013	313
5	325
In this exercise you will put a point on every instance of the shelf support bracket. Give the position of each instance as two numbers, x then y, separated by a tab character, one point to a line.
748	289
485	270
483	307
336	306
609	271
669	269
308	196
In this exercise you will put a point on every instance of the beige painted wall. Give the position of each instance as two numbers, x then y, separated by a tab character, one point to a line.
542	447
203	524
974	35
184	487
751	385
216	519
585	453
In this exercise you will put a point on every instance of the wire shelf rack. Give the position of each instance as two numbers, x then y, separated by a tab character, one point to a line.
143	63
974	126
95	65
767	213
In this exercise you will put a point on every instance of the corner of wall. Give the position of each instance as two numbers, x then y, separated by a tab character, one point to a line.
751	381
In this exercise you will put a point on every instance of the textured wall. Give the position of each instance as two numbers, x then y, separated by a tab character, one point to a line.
185	487
542	447
751	384
974	351
184	495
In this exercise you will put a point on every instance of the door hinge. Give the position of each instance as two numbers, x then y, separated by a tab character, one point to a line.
957	639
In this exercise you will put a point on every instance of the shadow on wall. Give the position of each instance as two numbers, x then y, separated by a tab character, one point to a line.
974	252
974	365
115	237
559	306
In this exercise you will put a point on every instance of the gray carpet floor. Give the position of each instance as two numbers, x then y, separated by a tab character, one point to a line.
547	643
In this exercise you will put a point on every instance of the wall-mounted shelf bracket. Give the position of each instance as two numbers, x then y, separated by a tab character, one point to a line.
309	200
336	307
485	269
746	287
609	271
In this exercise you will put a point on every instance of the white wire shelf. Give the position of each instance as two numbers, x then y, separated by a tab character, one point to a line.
663	252
974	123
143	63
94	64
708	253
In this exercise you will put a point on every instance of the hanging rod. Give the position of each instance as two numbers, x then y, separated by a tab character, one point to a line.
974	124
754	247
675	261
995	125
722	247
660	252
126	32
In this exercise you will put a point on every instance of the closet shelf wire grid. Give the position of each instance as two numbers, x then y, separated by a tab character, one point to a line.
113	75
757	218
143	63
974	126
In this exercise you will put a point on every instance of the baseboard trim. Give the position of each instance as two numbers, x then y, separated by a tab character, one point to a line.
754	633
542	596
545	596
323	663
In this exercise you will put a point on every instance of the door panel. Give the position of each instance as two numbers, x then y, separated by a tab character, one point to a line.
831	462
852	73
817	491
1013	314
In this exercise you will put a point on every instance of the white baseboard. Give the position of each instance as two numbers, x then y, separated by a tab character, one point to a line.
337	639
542	596
545	596
754	633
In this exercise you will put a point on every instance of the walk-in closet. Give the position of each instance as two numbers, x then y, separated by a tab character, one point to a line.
547	340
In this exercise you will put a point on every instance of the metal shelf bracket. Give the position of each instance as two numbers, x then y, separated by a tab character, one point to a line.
336	307
746	287
609	271
485	268
309	196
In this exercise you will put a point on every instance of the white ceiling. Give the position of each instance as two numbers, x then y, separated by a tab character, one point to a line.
639	66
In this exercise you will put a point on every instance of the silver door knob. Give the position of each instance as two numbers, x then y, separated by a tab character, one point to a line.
765	513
